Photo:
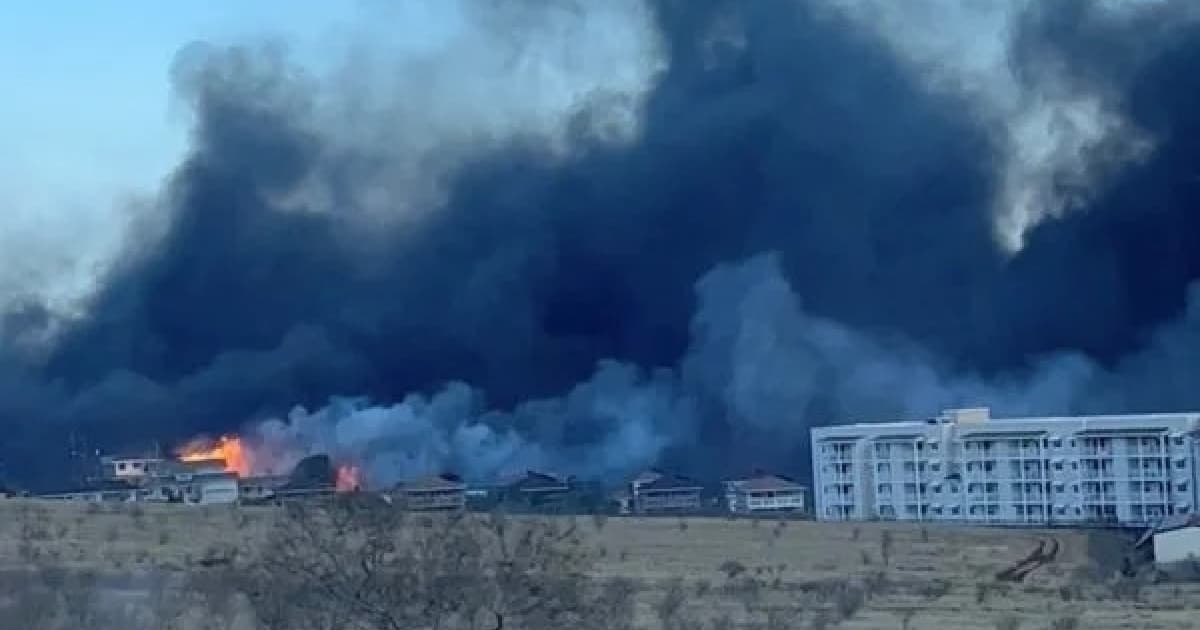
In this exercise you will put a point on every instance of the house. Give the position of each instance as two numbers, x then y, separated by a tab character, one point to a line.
134	469
659	492
764	493
1177	539
538	491
436	492
648	476
198	482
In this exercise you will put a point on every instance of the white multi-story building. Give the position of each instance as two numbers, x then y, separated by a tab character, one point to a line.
966	466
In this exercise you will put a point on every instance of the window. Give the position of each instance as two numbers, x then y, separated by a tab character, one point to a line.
121	466
933	446
935	467
1178	441
1180	464
1058	465
1181	487
1056	442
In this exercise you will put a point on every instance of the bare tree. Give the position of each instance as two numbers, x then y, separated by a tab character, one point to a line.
357	563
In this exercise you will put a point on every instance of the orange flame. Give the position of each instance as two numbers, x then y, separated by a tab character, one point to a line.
349	478
228	448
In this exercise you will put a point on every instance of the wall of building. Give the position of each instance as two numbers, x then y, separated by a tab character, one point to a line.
1130	470
218	490
1177	545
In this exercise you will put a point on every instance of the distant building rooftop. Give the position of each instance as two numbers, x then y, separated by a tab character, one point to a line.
444	481
982	417
765	482
670	482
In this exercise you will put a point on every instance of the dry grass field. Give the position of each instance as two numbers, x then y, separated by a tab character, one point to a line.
932	577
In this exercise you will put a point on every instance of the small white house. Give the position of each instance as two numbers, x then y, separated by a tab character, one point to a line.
1177	539
132	469
765	493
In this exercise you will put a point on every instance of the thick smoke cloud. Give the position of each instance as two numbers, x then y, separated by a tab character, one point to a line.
444	234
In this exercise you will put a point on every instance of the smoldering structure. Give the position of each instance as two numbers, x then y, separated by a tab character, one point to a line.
674	232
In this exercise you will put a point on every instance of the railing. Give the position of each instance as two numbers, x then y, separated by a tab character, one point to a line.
767	503
1098	474
1151	473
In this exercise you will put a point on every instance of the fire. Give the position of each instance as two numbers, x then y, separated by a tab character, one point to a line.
228	448
349	478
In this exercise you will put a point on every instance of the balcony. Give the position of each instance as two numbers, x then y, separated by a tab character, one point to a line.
1147	473
1025	453
1098	474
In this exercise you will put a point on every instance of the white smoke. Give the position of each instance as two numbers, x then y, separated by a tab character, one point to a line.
621	419
424	86
1058	141
757	362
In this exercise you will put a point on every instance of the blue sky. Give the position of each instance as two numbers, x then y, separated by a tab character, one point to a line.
87	117
86	105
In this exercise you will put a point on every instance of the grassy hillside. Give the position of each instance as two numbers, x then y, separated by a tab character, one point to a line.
873	575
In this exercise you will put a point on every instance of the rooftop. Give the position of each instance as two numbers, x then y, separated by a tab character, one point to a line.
765	481
982	416
533	481
444	481
670	482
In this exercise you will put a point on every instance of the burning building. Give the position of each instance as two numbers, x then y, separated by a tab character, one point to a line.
211	471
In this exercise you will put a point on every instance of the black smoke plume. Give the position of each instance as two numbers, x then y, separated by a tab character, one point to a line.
800	229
